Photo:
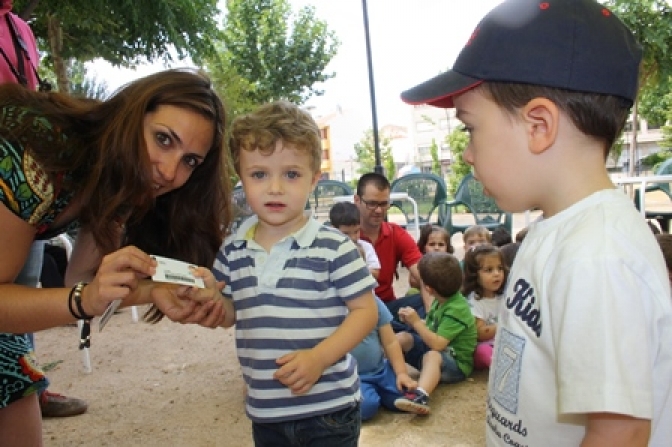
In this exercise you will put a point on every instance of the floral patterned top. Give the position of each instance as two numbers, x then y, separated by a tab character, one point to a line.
25	188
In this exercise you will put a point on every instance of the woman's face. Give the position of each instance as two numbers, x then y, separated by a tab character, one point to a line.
177	141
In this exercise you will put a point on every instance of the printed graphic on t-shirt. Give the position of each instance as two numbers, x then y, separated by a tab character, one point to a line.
506	375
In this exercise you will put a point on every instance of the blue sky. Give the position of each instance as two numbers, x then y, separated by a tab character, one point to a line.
411	40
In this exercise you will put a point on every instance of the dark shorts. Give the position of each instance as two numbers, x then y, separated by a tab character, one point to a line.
19	374
450	372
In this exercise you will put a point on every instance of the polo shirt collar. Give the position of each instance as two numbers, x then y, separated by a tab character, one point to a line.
304	236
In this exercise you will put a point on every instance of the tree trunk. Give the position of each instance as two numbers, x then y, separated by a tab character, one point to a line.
27	12
633	140
55	34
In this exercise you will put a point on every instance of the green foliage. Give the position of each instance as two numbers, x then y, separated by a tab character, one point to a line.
667	132
366	157
436	162
458	140
267	52
126	32
123	32
651	23
83	86
655	103
389	164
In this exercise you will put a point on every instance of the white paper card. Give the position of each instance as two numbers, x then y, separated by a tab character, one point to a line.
176	272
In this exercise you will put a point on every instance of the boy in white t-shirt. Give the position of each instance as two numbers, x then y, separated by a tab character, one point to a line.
344	216
582	354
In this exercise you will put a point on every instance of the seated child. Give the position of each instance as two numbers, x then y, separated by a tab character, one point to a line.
442	346
432	238
344	216
500	236
485	273
476	235
382	378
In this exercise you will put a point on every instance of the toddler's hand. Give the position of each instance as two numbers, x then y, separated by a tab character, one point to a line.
408	315
299	370
405	383
190	304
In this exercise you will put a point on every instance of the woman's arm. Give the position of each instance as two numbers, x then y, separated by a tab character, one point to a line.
28	309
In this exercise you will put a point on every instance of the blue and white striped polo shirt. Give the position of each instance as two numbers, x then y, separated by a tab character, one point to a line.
291	299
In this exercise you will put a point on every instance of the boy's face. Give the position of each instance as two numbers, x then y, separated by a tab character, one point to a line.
498	150
474	239
277	186
352	231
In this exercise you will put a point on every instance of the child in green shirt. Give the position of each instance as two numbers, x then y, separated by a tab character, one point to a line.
442	346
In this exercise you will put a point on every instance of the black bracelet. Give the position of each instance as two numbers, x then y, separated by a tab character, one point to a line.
76	295
70	308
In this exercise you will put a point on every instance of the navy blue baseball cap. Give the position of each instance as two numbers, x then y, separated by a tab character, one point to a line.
576	45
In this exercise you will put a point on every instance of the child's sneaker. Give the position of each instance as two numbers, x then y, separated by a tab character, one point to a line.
413	402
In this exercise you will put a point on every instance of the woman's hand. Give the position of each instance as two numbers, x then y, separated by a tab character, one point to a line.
117	277
183	304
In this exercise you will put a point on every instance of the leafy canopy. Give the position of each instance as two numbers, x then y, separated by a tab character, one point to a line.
125	32
275	53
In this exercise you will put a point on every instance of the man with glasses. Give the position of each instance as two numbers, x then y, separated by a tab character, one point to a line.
392	243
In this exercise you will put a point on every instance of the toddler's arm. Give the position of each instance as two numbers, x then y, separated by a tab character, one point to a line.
616	430
206	307
299	370
485	331
435	342
395	356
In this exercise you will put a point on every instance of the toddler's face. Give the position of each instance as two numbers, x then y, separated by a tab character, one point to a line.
491	274
492	132
436	243
474	240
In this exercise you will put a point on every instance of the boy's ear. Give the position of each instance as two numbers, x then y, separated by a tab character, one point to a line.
316	178
541	117
429	290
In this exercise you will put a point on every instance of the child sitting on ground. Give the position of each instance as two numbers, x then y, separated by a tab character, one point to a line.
442	346
485	273
345	217
433	238
476	235
500	236
382	378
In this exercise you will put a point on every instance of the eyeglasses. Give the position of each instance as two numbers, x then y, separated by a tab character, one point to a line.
372	204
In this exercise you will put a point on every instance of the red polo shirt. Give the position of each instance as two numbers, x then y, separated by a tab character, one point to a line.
394	245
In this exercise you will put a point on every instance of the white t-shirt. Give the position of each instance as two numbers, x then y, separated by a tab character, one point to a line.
370	256
585	326
487	309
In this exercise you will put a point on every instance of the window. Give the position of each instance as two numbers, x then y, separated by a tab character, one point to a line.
423	151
